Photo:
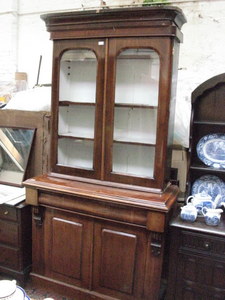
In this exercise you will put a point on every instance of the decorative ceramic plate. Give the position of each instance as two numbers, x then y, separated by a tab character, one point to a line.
19	294
210	184
21	291
211	150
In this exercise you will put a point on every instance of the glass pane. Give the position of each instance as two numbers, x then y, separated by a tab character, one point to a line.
78	76
75	153
15	145
137	77
132	125
135	112
134	160
77	98
77	121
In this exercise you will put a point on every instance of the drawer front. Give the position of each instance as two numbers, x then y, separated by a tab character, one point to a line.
9	257
202	243
9	233
8	213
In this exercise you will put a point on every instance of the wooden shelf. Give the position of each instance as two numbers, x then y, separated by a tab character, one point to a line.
67	103
132	105
136	56
213	123
69	136
206	168
134	143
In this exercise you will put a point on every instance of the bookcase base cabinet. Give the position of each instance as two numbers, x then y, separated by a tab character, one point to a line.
96	249
115	255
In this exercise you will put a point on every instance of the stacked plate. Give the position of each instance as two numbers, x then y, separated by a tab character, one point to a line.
211	151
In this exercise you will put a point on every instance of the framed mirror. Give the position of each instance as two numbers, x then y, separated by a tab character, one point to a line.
15	146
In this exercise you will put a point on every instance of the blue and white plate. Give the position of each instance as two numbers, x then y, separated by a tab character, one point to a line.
211	150
210	184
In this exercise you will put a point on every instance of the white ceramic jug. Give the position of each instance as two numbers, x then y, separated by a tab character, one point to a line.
212	216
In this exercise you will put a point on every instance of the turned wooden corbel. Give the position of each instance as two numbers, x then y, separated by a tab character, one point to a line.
38	215
156	243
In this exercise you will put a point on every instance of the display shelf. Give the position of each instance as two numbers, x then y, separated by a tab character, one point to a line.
68	103
68	136
133	105
207	118
205	168
210	123
138	142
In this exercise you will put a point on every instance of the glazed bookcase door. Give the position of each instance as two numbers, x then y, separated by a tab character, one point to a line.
78	105
136	102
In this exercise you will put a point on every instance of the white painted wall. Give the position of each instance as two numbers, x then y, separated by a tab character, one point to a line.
8	38
201	55
24	39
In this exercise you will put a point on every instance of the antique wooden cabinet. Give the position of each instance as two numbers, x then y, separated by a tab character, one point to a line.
15	241
197	268
197	252
100	214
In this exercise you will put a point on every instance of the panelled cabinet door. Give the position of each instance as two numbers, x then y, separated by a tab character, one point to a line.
77	107
199	278
119	261
68	245
136	105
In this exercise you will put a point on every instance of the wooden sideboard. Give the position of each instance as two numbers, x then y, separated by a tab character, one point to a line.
15	241
197	261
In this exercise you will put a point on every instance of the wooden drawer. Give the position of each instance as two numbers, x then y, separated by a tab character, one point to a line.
197	242
9	257
8	213
9	233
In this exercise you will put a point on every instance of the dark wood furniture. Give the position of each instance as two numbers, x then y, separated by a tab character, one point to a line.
197	261
40	120
207	117
197	251
100	215
16	221
15	241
